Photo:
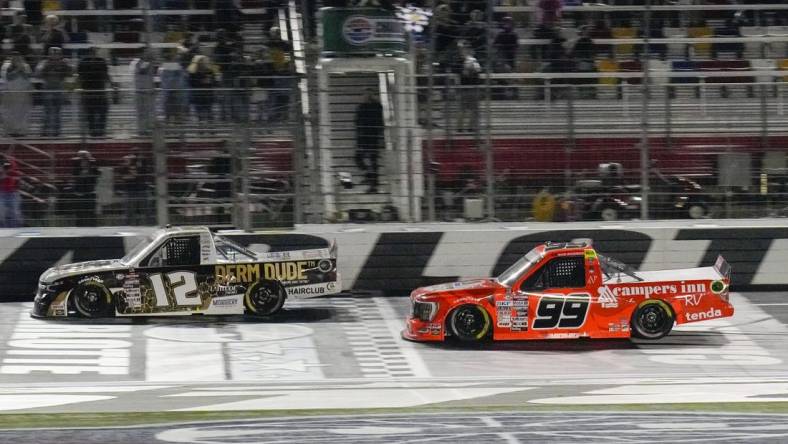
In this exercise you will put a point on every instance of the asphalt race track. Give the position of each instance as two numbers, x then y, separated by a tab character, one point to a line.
446	428
346	352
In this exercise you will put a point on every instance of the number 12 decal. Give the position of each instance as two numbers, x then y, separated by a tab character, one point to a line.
182	284
568	311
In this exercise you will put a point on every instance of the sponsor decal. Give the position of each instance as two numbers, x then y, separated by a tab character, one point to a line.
225	302
205	248
717	287
607	298
691	300
58	309
292	272
562	335
358	30
701	315
611	327
91	279
325	265
590	255
131	290
653	290
435	329
301	291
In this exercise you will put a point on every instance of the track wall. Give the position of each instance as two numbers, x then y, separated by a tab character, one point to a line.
395	258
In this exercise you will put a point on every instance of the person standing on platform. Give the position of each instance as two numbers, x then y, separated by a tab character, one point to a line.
369	138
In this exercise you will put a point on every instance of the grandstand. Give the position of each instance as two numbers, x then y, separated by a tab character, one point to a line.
570	98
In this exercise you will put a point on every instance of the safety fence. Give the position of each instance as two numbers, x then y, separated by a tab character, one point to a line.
393	259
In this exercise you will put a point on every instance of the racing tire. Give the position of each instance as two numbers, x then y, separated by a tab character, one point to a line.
653	319
696	211
92	299
265	298
608	214
469	323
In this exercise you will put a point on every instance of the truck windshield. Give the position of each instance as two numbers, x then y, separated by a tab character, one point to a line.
517	269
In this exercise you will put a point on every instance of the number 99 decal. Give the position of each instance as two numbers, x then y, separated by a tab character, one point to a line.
568	311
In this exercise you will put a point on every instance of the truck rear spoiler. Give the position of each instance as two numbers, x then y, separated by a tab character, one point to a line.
722	267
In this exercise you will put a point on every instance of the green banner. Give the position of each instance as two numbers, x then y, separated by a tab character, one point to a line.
351	32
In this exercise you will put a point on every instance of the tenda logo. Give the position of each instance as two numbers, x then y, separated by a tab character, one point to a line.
708	314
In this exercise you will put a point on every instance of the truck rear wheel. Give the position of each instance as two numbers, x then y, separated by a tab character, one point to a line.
265	298
653	319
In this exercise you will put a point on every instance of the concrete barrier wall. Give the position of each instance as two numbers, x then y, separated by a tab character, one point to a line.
395	258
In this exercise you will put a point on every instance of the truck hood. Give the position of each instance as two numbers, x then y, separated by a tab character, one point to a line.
473	285
78	268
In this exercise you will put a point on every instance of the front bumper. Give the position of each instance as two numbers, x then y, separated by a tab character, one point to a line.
422	331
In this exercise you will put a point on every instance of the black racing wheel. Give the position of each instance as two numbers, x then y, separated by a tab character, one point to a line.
92	300
653	319
469	323
265	298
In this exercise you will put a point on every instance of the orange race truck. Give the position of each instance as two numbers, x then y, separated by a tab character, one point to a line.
565	291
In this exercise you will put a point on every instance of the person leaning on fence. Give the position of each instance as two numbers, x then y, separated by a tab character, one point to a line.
470	79
174	82
85	176
144	70
10	203
18	95
135	189
506	44
369	138
279	52
202	79
53	72
94	80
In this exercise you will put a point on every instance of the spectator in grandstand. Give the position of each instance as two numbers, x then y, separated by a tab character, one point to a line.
445	35
369	138
133	185
202	80
144	71
475	35
94	80
85	175
731	29
228	16
53	72
189	48
236	78
549	12
539	51
506	44
174	82
584	56
10	202
558	62
21	35
655	32
470	79
51	35
18	96
279	52
33	11
600	30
